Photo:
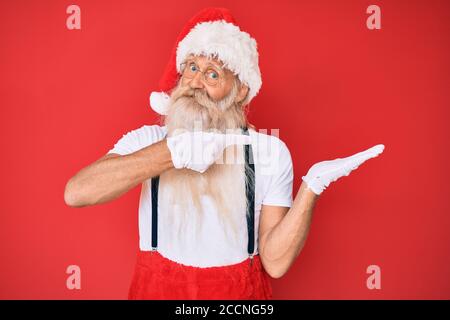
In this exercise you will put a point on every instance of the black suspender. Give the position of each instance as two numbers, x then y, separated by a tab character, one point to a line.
155	187
249	192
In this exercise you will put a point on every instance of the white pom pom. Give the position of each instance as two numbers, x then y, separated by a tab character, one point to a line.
159	102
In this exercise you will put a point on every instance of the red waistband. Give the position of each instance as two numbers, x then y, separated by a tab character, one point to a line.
154	259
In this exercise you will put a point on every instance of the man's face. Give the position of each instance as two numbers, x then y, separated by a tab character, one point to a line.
210	75
208	95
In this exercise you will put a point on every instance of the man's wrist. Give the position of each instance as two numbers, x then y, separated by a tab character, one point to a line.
166	156
158	156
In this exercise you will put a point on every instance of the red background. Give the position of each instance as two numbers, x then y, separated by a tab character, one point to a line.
332	87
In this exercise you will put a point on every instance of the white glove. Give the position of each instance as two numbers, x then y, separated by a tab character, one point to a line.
323	173
198	150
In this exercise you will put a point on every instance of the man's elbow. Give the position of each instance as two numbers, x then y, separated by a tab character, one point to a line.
276	274
72	197
273	270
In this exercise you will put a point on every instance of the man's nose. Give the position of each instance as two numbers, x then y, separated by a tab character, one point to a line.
196	82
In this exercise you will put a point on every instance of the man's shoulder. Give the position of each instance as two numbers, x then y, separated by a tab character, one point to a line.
144	136
270	152
152	128
150	133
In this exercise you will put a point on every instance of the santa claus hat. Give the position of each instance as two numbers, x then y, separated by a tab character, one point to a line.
212	32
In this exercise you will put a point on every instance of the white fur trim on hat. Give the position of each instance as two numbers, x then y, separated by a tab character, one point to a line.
159	101
235	48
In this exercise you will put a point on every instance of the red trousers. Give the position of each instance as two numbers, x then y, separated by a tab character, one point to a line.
156	277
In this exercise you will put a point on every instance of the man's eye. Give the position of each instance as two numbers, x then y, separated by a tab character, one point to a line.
193	67
213	75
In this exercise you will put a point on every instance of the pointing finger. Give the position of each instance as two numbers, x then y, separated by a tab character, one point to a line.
238	139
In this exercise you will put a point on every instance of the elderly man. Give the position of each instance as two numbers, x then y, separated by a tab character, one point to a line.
216	216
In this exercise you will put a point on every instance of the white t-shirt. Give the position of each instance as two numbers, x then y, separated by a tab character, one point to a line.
273	186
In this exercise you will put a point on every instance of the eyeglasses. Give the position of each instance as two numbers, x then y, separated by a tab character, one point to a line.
212	75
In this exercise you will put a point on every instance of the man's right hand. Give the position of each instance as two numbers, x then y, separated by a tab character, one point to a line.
198	150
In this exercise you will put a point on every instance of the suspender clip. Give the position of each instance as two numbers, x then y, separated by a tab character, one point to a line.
251	258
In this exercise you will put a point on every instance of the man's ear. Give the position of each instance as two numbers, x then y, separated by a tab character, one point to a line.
242	94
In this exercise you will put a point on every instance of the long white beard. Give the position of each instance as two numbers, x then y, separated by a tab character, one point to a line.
182	191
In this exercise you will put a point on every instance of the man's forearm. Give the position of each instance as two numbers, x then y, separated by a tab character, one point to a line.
286	240
109	178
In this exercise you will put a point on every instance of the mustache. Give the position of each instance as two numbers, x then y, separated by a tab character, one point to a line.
197	94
